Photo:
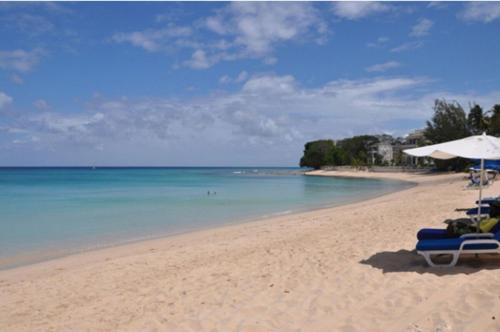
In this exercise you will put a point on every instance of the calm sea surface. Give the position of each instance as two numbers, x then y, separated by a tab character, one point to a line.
50	212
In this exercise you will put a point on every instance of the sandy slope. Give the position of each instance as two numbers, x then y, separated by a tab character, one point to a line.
349	268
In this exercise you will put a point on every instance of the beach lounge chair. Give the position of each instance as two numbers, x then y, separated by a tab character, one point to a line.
489	200
474	243
474	180
472	213
440	233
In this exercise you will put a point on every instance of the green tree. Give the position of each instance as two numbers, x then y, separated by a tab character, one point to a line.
318	153
494	121
476	120
357	150
448	123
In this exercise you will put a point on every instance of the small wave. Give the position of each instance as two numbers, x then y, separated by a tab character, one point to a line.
277	214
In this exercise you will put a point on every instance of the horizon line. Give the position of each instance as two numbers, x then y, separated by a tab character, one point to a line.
144	166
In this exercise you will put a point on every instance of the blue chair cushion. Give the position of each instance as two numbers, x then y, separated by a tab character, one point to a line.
433	233
452	244
487	201
496	230
473	211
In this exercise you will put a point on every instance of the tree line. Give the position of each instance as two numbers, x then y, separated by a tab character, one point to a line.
449	122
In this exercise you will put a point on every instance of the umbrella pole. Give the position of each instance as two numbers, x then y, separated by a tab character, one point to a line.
480	203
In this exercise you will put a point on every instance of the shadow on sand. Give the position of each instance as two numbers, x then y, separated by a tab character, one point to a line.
410	261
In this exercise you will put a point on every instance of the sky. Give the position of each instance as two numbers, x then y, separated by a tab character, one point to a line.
230	84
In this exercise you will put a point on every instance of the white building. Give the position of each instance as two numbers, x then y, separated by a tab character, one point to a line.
384	149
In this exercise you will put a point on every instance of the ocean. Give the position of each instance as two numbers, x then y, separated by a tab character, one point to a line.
51	212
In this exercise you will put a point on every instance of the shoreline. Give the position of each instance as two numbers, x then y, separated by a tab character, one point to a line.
412	177
350	267
55	254
117	249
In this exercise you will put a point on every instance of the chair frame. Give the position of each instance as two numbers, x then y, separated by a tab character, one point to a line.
473	238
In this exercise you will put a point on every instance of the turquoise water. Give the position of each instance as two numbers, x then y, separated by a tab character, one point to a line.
49	212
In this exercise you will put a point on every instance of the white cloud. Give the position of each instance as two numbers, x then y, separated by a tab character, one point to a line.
381	67
283	111
257	26
353	10
70	125
437	4
255	29
154	39
224	79
20	60
241	77
381	41
237	31
32	139
41	104
50	7
5	100
270	60
17	79
199	60
140	39
485	12
408	46
270	85
421	28
32	25
216	24
268	119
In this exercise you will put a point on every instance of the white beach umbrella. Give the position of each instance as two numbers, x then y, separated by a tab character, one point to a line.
474	147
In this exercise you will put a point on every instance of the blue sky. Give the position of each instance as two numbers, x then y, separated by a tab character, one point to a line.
230	83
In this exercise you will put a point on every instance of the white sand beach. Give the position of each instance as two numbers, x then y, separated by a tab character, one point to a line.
348	268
